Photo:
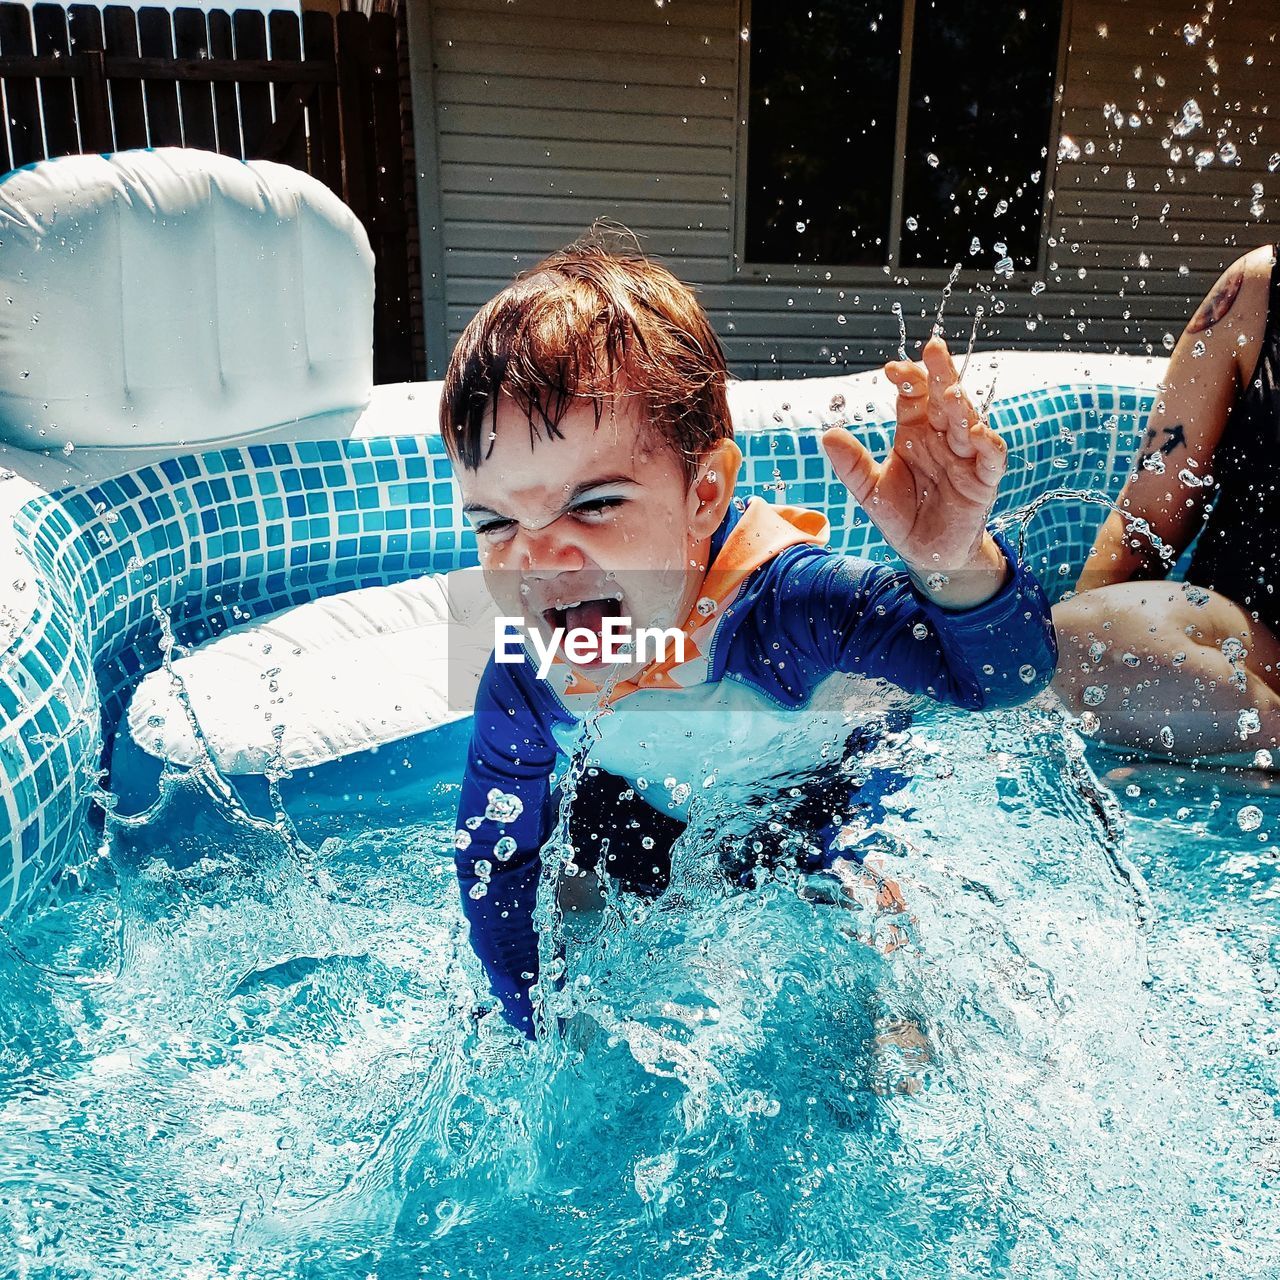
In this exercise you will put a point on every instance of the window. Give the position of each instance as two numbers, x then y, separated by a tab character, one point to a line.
898	131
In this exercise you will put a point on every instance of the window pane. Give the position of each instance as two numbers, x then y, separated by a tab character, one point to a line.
824	84
979	119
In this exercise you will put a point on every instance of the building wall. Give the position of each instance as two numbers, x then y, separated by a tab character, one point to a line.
545	115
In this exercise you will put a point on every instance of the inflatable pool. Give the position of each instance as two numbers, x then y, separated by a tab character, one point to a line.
222	541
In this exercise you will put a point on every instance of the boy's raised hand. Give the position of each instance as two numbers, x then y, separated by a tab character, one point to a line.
931	496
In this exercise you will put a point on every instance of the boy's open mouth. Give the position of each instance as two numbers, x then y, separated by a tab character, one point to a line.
583	615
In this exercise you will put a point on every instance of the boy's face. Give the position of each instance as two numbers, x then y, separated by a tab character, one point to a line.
600	523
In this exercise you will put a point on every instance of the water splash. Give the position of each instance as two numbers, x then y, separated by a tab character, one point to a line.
896	310
207	778
1022	517
946	294
978	313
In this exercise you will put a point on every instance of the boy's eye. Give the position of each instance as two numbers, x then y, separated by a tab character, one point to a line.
596	508
495	530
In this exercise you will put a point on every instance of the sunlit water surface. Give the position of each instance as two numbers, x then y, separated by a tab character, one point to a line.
262	1065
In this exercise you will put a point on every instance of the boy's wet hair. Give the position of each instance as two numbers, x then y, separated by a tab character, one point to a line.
595	320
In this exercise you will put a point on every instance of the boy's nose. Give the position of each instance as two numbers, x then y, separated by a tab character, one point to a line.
545	553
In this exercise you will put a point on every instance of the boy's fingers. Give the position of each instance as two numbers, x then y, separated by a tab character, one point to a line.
944	380
993	455
972	486
852	461
910	378
958	418
937	358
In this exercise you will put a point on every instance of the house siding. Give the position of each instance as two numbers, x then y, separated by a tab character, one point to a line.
549	115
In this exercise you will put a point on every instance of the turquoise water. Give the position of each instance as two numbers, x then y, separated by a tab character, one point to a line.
258	1060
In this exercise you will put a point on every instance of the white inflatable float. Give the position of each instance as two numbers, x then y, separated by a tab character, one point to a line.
192	441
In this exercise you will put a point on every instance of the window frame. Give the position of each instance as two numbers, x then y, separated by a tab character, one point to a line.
890	274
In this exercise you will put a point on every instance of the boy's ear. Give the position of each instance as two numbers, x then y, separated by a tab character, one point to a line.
713	487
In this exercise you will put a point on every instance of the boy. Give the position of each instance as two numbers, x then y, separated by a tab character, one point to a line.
584	409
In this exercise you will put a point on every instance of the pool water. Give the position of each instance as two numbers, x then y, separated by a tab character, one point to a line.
256	1059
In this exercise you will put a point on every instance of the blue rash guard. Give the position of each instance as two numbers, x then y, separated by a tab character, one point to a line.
780	615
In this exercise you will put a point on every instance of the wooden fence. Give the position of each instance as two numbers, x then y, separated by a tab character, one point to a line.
319	94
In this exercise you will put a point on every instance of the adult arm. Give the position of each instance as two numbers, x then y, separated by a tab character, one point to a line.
1216	353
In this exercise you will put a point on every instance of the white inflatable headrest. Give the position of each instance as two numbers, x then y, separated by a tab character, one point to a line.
175	296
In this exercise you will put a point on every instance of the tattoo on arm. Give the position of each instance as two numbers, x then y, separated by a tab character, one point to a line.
1218	303
1175	437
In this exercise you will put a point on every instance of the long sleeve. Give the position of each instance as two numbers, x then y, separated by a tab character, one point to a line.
504	816
811	613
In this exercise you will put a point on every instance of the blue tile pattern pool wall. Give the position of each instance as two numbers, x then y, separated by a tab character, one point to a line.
229	534
50	742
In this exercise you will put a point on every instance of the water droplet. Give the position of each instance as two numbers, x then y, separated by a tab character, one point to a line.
920	631
461	839
931	160
1249	818
1068	149
1233	650
1248	722
503	807
1189	120
1166	738
1027	673
1094	695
